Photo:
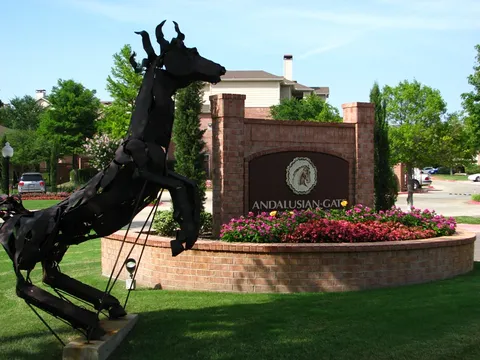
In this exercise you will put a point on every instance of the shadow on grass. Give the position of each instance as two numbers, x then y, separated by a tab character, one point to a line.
33	345
439	320
435	321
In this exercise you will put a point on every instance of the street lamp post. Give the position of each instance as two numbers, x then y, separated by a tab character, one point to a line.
7	153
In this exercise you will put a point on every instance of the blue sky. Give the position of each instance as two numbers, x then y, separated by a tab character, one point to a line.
344	44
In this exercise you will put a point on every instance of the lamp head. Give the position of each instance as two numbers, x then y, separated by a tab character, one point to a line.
130	265
7	151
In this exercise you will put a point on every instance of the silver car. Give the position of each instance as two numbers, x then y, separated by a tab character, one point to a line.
31	182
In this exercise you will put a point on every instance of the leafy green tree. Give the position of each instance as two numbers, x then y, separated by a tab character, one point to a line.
188	137
384	178
22	113
310	108
471	104
71	117
414	112
30	149
453	139
123	85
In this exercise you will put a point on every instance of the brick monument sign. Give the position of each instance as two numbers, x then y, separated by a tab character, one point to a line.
265	165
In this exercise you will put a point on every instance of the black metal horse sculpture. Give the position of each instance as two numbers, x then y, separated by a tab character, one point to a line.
112	198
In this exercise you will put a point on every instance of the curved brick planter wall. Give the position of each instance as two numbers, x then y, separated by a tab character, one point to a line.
238	267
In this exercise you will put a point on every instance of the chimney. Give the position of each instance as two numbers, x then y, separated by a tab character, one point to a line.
40	94
288	67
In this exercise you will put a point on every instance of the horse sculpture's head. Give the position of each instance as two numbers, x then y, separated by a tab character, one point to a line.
186	63
180	62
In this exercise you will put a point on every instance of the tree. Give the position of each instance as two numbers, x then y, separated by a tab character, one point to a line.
52	163
30	149
310	108
5	174
123	85
71	117
188	137
414	112
452	149
471	104
384	178
22	113
101	149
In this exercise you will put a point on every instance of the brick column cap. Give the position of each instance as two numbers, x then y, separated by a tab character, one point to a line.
358	105
228	96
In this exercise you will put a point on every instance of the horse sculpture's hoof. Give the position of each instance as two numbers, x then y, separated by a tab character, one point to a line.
116	311
185	236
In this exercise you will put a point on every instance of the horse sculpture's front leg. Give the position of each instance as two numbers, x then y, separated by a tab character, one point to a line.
186	207
183	191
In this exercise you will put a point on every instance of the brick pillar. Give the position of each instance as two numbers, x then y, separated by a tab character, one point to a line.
363	116
228	112
400	173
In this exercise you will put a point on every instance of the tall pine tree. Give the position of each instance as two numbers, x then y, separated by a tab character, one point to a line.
384	179
188	137
471	104
4	167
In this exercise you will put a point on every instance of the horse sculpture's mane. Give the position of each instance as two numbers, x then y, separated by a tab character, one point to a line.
112	198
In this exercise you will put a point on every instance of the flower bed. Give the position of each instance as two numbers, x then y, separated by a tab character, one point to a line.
47	196
358	224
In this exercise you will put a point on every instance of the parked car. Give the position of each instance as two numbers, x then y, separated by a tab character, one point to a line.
420	179
474	177
430	170
31	182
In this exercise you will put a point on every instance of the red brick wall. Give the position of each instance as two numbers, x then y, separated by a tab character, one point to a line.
236	140
257	112
219	266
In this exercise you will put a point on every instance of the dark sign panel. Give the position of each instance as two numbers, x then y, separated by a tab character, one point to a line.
297	180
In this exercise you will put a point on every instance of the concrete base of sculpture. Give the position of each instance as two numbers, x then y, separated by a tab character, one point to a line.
117	330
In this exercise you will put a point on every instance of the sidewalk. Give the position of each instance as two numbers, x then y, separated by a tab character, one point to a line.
166	204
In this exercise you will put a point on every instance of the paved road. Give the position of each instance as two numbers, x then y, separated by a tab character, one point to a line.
449	198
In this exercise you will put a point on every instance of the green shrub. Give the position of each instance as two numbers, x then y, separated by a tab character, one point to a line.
472	169
67	187
443	170
476	197
165	225
72	175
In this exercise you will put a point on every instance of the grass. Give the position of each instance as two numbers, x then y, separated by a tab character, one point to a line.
38	204
439	320
449	177
467	219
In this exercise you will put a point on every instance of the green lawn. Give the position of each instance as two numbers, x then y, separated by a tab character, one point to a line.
435	321
39	204
449	177
467	220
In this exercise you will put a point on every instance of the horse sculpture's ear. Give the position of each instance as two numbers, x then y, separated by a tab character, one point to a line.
147	45
180	35
160	38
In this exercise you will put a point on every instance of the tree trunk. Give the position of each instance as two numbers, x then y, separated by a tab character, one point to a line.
451	171
410	186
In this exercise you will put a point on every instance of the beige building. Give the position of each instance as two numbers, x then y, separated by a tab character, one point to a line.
262	89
